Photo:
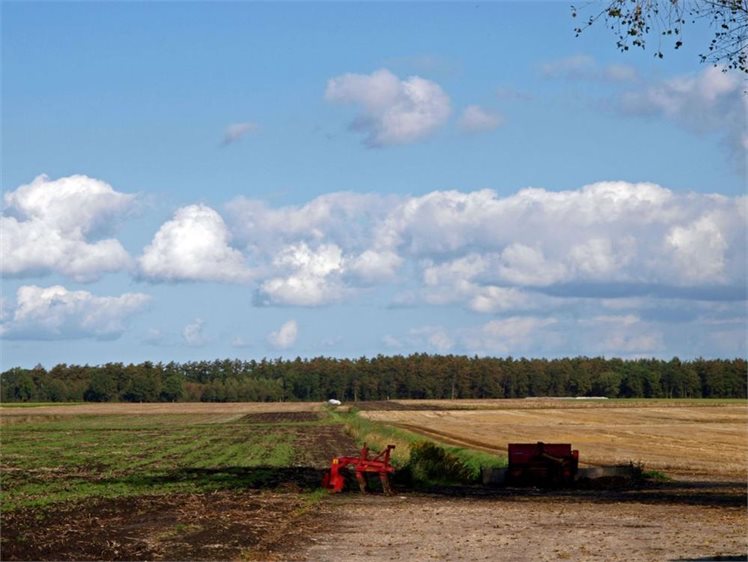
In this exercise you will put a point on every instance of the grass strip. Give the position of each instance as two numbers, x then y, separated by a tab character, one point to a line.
378	435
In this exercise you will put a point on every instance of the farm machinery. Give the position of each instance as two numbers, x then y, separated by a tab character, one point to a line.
542	464
334	479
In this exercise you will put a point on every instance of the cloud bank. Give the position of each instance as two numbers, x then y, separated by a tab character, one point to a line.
536	262
48	313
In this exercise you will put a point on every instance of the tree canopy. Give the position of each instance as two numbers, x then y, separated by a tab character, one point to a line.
377	378
638	23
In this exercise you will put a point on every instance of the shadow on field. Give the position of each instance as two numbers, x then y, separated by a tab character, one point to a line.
699	493
228	478
739	557
306	478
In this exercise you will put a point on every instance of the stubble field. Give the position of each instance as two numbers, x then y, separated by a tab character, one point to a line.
240	482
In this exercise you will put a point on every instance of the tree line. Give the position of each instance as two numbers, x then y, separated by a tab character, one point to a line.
378	378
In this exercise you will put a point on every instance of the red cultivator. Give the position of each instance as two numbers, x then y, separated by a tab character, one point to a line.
380	464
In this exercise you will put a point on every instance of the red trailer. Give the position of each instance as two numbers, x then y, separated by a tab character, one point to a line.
542	464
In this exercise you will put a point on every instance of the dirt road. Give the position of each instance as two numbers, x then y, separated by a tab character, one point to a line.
530	528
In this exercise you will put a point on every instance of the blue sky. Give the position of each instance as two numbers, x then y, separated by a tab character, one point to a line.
199	180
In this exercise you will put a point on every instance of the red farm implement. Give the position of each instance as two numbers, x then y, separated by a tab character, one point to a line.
362	465
542	464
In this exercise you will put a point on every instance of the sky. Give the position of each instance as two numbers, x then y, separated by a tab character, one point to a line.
188	181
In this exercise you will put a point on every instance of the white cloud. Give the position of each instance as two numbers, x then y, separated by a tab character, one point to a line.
711	101
311	279
347	218
492	299
240	342
52	226
193	333
510	335
527	266
490	253
475	119
153	336
193	246
435	337
46	313
285	337
430	337
699	249
393	111
374	266
620	335
236	131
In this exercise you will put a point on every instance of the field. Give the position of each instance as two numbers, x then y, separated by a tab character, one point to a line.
240	482
706	438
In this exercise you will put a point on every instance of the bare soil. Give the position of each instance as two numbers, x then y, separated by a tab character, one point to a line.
533	527
130	408
216	526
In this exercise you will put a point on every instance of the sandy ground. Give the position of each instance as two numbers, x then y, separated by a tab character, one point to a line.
374	529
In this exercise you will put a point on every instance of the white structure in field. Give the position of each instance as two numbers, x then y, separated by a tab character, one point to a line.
333	402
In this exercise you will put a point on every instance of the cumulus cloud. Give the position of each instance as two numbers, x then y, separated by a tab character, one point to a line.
709	102
348	218
237	131
311	277
56	226
623	335
522	252
193	333
429	337
193	246
285	337
316	253
475	119
392	111
507	335
50	313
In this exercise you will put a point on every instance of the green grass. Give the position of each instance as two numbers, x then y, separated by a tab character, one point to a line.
379	435
46	460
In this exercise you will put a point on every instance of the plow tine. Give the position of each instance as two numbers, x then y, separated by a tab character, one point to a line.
361	481
386	488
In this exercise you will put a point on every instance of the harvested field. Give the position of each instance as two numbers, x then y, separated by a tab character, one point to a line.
240	482
700	438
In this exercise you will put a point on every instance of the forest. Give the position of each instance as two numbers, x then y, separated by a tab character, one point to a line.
377	378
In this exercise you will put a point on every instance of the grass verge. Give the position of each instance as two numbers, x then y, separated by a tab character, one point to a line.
425	461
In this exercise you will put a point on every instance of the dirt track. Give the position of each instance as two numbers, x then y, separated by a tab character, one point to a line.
373	529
